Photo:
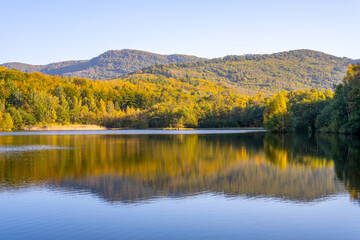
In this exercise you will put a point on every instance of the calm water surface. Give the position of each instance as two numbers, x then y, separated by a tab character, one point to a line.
178	185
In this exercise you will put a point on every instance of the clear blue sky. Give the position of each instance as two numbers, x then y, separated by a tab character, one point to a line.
40	32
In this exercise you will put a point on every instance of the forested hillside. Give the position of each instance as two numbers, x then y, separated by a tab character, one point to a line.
318	111
268	73
111	64
248	74
136	101
147	100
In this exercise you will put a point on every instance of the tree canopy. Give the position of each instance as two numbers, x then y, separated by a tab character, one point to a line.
268	73
313	110
154	101
136	101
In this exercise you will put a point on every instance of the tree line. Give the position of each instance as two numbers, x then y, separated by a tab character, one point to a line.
151	101
313	110
136	101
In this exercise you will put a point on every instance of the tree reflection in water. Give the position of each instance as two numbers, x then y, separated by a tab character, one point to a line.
131	168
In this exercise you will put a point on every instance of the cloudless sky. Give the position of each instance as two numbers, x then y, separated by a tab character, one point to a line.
41	32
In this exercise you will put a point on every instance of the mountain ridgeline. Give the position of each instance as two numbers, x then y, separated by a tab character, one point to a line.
109	65
268	73
211	93
147	100
247	74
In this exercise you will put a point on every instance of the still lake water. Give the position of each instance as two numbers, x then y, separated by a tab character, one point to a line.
171	185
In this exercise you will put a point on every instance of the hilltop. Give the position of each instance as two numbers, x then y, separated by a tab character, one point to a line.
267	73
247	74
109	65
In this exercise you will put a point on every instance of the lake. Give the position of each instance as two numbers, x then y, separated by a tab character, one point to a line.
201	184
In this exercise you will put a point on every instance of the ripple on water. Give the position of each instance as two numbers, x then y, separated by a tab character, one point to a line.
27	148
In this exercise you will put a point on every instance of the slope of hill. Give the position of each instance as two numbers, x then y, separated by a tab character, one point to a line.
147	100
248	74
268	73
111	64
136	101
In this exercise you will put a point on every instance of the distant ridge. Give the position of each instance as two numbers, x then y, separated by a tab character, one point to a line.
248	74
266	73
111	64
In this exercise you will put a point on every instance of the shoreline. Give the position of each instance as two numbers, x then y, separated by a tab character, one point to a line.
94	131
72	127
99	128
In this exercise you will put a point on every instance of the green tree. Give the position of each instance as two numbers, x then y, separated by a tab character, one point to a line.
6	122
75	112
62	112
18	120
277	115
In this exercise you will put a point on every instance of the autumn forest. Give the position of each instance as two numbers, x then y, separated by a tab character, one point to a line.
159	98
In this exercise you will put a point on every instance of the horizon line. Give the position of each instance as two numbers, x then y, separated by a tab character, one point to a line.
184	54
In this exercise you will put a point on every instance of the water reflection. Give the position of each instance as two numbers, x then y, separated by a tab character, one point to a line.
131	168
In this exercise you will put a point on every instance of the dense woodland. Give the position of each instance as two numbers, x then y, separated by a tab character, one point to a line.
155	101
137	101
318	111
268	73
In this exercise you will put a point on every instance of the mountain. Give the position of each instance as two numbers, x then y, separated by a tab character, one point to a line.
247	74
268	73
111	64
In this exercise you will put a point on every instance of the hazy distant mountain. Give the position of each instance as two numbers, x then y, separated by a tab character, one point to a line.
111	64
268	73
249	74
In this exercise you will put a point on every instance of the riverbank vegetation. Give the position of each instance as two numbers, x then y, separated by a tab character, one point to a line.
136	101
313	110
152	101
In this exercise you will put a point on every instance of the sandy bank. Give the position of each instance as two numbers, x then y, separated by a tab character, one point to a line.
63	128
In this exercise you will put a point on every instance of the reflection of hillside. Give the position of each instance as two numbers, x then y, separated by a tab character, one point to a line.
133	168
345	151
342	150
248	178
